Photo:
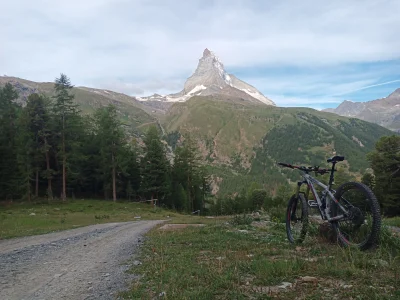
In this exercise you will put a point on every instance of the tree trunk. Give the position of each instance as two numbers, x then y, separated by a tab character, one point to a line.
49	189
114	179
29	191
64	182
37	183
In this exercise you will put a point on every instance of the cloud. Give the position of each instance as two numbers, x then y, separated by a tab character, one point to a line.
147	46
368	87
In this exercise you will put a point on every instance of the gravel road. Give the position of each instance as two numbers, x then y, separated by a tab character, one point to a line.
82	263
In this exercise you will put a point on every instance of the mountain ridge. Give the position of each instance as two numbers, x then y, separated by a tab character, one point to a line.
384	111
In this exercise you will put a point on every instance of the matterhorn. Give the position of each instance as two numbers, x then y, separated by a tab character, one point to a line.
211	79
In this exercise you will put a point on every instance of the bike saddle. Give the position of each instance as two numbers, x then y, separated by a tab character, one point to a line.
335	159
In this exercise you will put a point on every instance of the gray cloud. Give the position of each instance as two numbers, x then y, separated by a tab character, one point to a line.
154	45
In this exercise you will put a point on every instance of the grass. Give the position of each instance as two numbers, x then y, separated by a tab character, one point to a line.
395	221
235	260
21	219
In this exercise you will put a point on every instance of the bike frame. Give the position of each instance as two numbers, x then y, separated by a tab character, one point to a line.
327	192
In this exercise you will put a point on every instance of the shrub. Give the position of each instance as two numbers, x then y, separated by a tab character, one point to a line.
257	198
241	220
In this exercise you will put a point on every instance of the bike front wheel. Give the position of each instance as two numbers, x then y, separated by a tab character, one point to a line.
297	219
360	227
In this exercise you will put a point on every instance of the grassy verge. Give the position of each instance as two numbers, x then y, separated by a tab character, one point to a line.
231	261
30	219
392	221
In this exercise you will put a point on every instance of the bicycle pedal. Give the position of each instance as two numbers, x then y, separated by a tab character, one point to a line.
312	203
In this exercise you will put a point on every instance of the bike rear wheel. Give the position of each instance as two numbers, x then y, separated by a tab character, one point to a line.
361	227
297	219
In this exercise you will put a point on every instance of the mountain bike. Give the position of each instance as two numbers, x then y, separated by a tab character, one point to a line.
352	210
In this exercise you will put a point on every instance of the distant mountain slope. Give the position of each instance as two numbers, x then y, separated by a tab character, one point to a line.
131	111
210	78
241	140
385	111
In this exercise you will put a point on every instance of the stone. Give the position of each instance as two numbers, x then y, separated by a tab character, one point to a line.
137	263
285	285
309	279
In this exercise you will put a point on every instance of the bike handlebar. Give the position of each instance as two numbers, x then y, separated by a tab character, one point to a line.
305	169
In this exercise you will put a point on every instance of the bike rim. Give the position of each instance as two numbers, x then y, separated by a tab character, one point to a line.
357	228
295	221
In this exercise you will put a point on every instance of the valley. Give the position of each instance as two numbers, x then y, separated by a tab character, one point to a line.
239	133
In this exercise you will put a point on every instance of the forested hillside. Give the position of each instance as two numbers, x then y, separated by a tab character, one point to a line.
51	149
242	141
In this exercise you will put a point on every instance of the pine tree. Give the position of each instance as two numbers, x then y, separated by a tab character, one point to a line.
385	162
130	175
25	154
9	172
155	167
188	172
67	124
112	143
39	128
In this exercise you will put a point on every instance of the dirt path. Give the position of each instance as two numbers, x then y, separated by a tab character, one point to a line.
83	263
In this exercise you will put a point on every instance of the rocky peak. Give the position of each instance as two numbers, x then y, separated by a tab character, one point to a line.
210	78
206	52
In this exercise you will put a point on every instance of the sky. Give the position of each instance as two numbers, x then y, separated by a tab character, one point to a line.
297	53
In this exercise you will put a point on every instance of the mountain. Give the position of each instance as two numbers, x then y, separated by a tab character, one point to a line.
385	111
240	139
210	78
239	132
131	111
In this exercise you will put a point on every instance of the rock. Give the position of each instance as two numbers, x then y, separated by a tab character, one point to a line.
347	286
106	275
285	285
32	214
309	279
137	263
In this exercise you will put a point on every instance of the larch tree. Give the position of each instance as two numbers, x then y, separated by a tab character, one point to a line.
385	162
9	171
67	124
112	141
155	167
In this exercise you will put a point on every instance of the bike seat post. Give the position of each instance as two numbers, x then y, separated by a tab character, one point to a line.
331	178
